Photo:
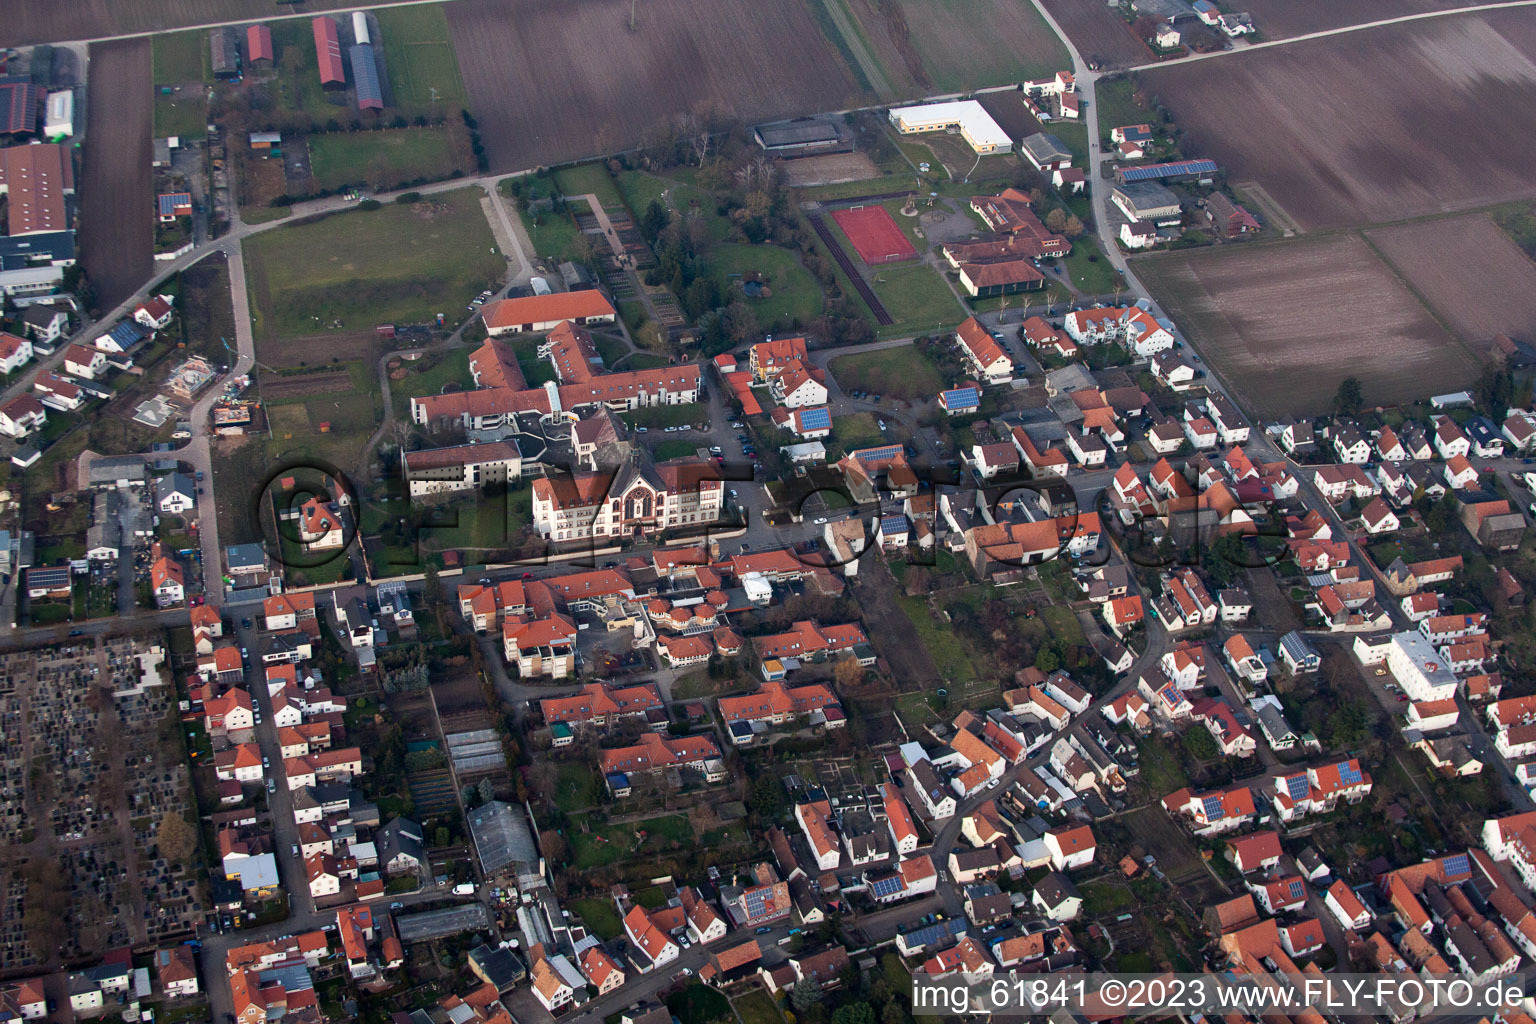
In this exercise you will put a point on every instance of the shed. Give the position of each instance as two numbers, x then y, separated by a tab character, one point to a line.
258	44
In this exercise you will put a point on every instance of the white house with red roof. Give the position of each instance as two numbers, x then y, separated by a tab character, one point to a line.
799	386
1318	790
985	355
812	818
1346	907
769	358
1071	848
166	579
156	312
899	819
1449	439
600	970
649	939
21	416
1257	852
1213	811
84	361
320	525
14	352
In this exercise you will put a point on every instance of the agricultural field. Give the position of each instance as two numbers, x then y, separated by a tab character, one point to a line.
381	159
1283	323
971	44
1099	34
1462	83
1469	271
914	48
1280	19
363	267
115	248
601	86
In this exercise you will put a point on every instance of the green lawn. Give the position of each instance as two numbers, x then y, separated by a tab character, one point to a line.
1103	898
573	785
673	449
1088	268
420	58
655	417
914	710
589	179
918	299
382	159
180	57
296	87
613	843
903	372
700	1004
610	348
553	234
600	916
1117	106
758	1007
641	189
184	113
857	430
949	651
1075	135
794	292
362	267
425	377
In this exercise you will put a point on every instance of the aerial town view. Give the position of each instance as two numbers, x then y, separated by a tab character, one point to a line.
796	512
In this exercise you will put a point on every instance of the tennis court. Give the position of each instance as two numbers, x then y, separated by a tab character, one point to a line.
875	236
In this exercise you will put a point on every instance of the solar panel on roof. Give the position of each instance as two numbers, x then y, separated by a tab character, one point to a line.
1155	172
1297	787
819	418
889	451
1214	810
1457	864
962	396
888	886
1296	889
1349	774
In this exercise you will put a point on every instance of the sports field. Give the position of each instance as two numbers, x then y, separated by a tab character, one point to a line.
875	236
349	271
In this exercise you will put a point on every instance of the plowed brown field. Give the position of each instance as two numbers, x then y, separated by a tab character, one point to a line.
1469	272
554	80
116	233
1371	126
1283	323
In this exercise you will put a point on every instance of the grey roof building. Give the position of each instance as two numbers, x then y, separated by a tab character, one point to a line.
1044	150
502	837
401	846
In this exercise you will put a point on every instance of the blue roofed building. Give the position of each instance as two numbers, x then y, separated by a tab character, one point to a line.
811	422
125	337
1176	170
365	76
174	204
